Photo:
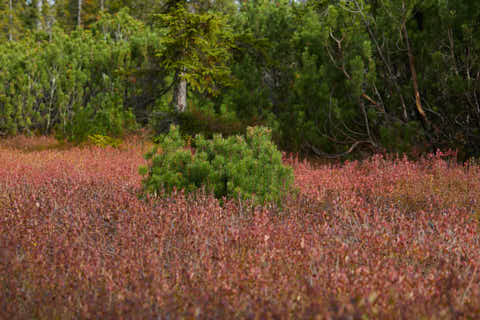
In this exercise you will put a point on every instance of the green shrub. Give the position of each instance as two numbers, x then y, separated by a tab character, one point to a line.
106	120
103	141
247	168
78	84
198	121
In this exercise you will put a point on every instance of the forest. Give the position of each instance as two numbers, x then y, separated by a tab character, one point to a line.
329	77
235	159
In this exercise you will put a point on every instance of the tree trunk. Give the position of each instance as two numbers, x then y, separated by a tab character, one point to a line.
180	88
39	5
79	16
180	93
102	10
10	20
49	17
413	71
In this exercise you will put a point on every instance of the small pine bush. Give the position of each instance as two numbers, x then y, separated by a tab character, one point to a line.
247	168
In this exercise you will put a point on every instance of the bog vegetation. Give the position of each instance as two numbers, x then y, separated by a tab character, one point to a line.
377	239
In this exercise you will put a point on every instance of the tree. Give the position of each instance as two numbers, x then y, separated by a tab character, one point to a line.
10	23
10	20
197	51
72	14
79	14
39	12
33	14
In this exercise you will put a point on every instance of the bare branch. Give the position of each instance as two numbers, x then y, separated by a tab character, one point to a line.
322	154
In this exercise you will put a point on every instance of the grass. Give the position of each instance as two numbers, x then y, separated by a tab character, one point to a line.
364	240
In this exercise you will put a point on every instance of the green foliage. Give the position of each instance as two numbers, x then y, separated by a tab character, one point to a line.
239	167
104	141
324	75
10	24
74	85
301	81
120	26
332	73
196	121
198	46
87	122
400	137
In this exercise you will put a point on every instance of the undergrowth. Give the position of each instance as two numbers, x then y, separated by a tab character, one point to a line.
374	239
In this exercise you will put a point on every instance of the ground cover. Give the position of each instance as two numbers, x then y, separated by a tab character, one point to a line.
372	239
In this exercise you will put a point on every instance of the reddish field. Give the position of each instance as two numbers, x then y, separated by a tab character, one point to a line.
374	239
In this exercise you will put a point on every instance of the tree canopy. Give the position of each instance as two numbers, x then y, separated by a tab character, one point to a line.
329	77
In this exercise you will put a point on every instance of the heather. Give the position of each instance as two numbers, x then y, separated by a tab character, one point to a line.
381	238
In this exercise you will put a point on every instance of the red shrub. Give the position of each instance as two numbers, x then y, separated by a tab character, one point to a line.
379	238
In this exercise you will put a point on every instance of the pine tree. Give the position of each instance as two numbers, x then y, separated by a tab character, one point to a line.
197	51
10	23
